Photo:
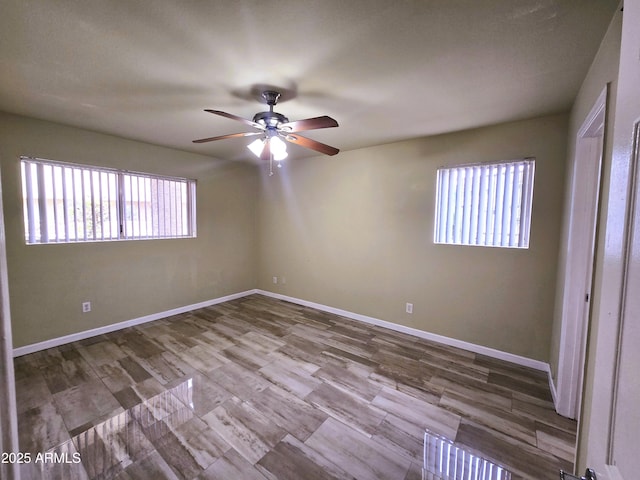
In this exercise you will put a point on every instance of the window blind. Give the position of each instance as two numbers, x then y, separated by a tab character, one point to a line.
485	204
66	202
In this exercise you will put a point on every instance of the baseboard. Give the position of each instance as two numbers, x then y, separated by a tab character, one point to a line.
552	387
472	347
480	349
74	337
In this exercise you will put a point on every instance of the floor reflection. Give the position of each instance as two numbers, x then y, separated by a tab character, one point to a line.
443	460
108	449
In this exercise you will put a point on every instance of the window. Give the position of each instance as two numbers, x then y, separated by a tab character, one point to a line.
485	204
77	203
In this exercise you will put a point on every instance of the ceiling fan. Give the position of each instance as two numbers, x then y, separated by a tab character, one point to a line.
273	128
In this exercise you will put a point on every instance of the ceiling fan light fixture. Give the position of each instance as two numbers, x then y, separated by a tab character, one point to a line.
280	156
278	149
273	127
256	146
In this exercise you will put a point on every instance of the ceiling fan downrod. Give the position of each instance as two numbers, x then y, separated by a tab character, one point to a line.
271	120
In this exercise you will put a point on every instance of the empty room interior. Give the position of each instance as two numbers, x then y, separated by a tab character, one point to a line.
422	266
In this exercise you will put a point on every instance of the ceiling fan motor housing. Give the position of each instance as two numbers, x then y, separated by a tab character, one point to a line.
270	119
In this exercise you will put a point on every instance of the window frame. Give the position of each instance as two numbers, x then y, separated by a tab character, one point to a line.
116	202
466	228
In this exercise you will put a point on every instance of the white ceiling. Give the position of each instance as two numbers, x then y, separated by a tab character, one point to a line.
385	70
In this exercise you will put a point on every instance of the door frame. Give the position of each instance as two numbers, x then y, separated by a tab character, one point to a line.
622	424
580	260
8	410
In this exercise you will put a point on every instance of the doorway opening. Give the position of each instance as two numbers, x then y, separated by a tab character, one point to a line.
580	259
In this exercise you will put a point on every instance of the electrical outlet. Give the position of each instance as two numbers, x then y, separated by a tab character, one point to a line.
409	308
283	280
86	307
275	279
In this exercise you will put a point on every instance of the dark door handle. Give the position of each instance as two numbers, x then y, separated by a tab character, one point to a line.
590	474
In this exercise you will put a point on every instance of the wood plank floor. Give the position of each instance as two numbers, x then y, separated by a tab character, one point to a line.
258	388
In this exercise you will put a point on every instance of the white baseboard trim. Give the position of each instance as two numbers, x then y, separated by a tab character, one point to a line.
472	347
490	352
74	337
554	391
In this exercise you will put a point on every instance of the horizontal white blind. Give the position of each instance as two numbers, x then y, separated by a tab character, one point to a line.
76	203
485	204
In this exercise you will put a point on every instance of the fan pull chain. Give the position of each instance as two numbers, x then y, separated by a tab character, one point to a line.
279	165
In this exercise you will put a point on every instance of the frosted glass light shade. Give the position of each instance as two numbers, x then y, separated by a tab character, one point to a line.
278	149
256	147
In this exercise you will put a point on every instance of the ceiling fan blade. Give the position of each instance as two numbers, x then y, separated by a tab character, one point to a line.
266	151
231	135
237	118
312	144
309	124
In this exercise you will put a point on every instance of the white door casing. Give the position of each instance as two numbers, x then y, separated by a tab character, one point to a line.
8	417
623	459
576	299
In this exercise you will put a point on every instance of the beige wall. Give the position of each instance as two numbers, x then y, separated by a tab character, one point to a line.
128	279
355	232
